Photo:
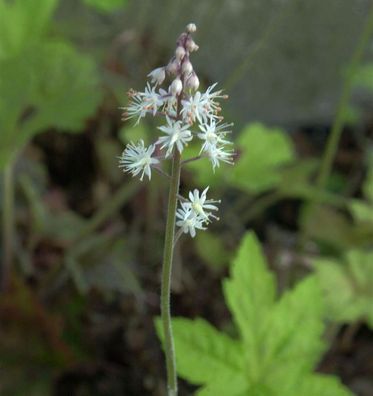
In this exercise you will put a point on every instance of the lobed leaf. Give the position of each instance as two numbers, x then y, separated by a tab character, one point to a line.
347	286
250	291
262	151
206	356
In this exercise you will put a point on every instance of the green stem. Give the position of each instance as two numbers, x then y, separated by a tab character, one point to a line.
166	275
8	224
339	120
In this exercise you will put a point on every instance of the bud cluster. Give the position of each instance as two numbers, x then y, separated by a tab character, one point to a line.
189	114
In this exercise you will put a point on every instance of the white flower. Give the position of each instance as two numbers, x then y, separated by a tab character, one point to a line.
209	98
189	221
219	153
213	134
194	108
138	159
158	75
169	102
152	101
137	108
201	205
177	134
142	103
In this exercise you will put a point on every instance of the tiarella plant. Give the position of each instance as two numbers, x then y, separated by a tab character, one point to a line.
188	115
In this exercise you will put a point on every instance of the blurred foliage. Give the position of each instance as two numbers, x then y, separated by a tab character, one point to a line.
347	284
106	5
31	344
262	152
45	82
280	340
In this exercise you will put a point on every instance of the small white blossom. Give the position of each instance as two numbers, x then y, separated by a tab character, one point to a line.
136	108
177	134
137	158
201	205
213	134
151	99
142	103
210	97
219	153
189	221
194	109
158	75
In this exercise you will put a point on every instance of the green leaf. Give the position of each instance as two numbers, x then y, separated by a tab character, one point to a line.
361	211
250	291
106	5
292	344
347	286
262	151
134	133
281	340
23	23
66	89
210	247
320	385
56	87
206	356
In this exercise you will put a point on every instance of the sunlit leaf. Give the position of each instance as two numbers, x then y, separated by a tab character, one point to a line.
22	24
347	285
262	151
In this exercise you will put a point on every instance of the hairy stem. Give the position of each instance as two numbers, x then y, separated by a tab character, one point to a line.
8	224
339	120
166	275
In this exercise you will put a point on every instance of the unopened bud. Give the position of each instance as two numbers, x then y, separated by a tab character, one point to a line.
157	75
191	28
187	68
191	45
176	87
192	82
179	53
173	67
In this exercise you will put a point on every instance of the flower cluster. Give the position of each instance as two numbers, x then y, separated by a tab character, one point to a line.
195	212
189	115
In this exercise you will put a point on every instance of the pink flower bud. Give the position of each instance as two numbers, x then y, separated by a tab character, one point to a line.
191	28
157	75
173	67
176	87
179	53
191	45
187	68
192	82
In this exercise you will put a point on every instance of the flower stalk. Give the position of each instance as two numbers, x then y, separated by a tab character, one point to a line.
167	274
190	115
